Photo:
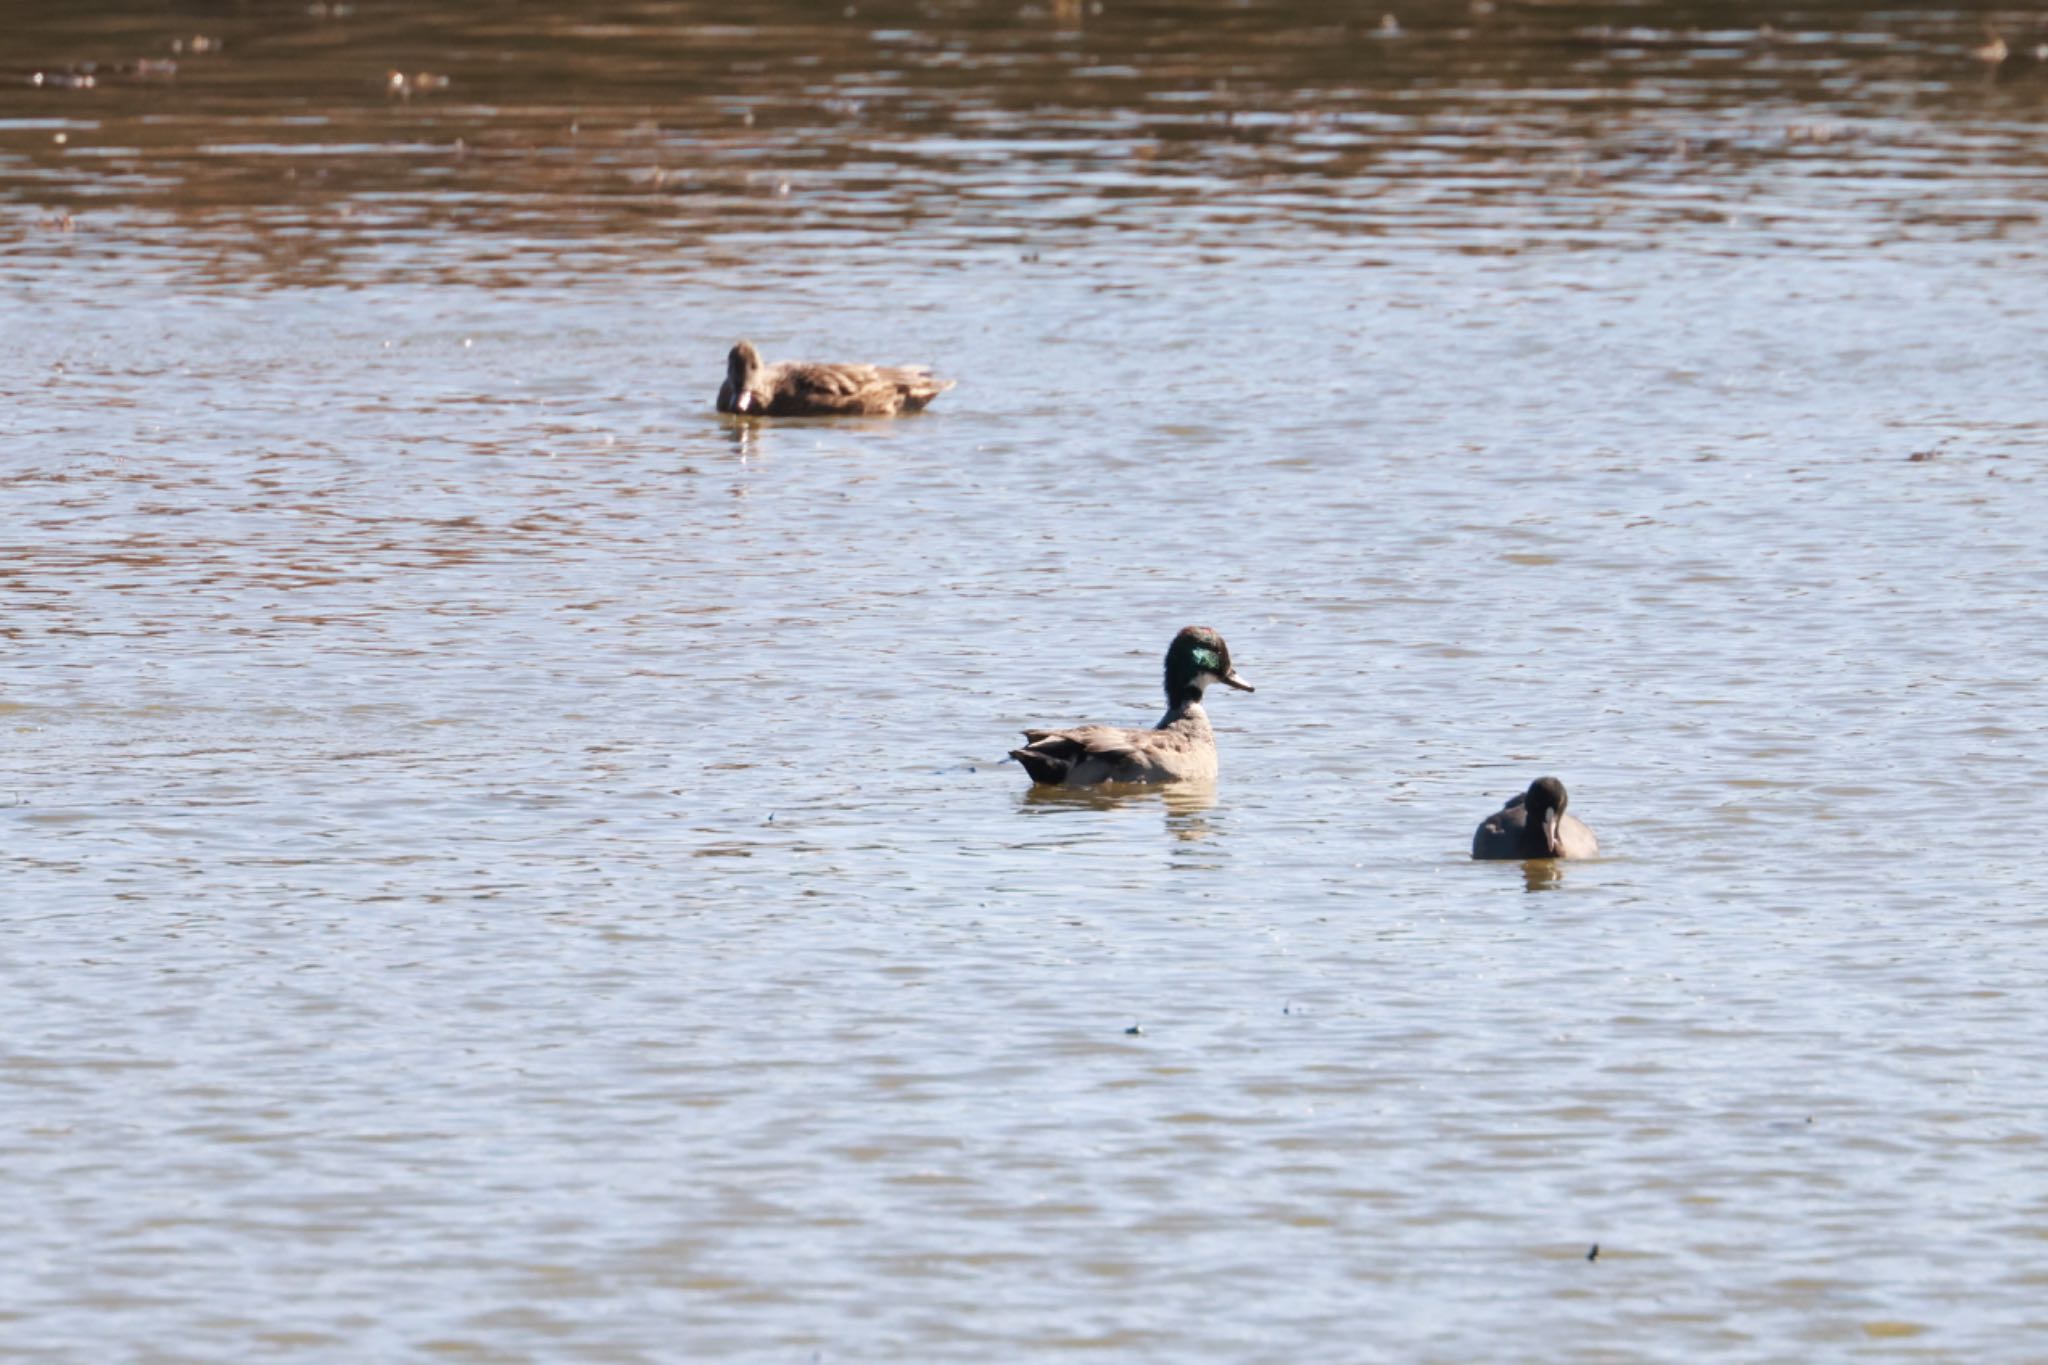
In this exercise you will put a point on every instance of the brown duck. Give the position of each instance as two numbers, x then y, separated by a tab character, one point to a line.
809	388
1181	748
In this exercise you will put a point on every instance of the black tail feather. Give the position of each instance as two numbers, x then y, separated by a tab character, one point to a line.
1044	768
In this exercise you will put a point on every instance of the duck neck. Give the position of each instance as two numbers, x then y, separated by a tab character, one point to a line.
1184	707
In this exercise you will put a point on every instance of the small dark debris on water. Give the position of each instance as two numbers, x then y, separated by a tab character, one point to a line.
1932	452
1593	1253
1134	1031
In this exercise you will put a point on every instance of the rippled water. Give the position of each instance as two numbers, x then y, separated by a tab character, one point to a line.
503	864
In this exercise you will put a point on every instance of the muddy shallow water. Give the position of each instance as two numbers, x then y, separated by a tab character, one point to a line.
502	863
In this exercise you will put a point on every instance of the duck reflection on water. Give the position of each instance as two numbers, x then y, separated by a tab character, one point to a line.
1186	804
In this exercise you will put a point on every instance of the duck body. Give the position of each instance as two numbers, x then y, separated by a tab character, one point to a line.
1181	748
810	388
1533	824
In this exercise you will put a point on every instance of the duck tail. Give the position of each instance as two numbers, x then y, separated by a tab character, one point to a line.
1045	769
921	387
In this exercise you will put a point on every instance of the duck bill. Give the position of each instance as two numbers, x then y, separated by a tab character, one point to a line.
743	401
1231	679
1550	819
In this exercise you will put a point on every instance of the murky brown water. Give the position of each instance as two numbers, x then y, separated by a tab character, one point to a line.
502	865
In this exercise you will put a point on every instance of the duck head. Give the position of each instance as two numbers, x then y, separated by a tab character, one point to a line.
1546	801
742	368
1197	658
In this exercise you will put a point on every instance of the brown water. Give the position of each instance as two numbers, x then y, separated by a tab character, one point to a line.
503	865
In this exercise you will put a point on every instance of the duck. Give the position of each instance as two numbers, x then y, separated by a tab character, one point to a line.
810	388
1533	825
1181	748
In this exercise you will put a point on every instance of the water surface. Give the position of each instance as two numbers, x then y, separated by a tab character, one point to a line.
502	864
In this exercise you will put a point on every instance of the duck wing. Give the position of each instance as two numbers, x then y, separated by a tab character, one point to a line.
1505	833
816	389
812	389
1054	757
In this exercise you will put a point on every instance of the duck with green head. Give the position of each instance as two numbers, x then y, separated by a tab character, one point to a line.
1534	825
1181	748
